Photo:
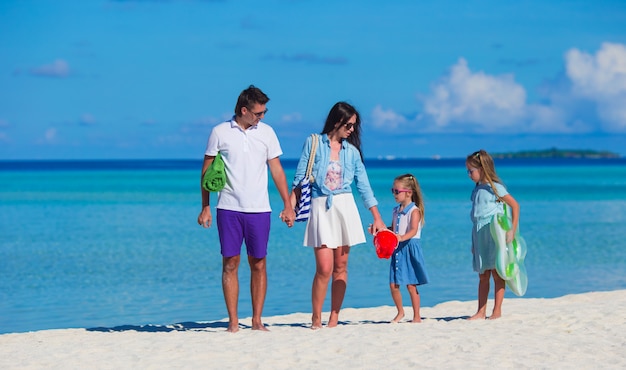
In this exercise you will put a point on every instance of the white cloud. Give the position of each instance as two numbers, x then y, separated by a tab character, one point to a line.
601	78
201	125
465	97
87	120
593	98
3	135
58	68
552	118
50	135
387	118
291	117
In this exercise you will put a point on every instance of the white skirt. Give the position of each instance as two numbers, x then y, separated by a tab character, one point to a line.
338	226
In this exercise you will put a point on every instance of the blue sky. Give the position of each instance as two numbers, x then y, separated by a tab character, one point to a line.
139	79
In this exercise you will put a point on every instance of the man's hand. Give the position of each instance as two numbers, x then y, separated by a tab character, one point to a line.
205	218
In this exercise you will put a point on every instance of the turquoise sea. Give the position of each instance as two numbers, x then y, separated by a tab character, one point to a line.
109	244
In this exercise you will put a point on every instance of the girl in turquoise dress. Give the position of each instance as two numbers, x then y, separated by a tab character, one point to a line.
488	199
407	262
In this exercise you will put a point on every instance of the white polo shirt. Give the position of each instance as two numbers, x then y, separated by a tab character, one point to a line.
245	155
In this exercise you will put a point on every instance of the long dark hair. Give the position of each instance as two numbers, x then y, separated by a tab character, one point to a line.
340	113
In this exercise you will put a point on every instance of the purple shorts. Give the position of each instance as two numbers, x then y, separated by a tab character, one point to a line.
236	227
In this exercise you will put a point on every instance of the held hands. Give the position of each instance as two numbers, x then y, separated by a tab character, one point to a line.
288	216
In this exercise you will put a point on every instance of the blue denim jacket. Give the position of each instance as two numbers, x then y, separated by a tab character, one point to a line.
352	168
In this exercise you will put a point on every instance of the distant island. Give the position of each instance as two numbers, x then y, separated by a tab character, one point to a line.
557	153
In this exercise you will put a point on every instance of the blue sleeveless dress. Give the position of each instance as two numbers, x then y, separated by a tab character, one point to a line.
407	261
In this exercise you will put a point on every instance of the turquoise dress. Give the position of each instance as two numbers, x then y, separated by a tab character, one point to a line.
484	207
407	262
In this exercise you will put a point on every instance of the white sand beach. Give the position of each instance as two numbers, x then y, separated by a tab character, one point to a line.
582	331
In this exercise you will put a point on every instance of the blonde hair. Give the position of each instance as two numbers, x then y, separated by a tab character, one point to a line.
409	181
482	160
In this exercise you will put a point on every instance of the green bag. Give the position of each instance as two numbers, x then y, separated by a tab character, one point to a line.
214	178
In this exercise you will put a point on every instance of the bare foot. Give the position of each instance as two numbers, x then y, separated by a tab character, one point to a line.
398	317
258	325
333	320
316	322
233	328
478	316
416	320
495	315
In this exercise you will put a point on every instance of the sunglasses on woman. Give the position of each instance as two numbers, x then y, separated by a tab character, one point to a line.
349	125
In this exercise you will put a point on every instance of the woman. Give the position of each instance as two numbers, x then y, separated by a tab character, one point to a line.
334	223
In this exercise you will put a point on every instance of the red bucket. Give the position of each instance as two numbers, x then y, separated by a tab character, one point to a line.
385	242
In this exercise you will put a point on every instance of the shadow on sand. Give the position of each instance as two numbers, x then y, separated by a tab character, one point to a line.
150	328
185	326
212	326
450	318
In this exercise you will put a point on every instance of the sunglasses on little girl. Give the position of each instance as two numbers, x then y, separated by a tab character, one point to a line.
398	191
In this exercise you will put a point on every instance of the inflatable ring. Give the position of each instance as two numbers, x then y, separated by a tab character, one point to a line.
509	257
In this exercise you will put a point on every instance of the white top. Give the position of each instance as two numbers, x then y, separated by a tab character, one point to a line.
403	220
245	155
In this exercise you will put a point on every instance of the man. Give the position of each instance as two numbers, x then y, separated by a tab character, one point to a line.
247	146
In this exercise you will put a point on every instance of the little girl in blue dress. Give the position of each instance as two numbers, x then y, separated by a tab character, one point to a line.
407	261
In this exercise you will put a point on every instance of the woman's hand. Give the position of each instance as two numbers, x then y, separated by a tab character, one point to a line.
377	226
378	222
293	199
